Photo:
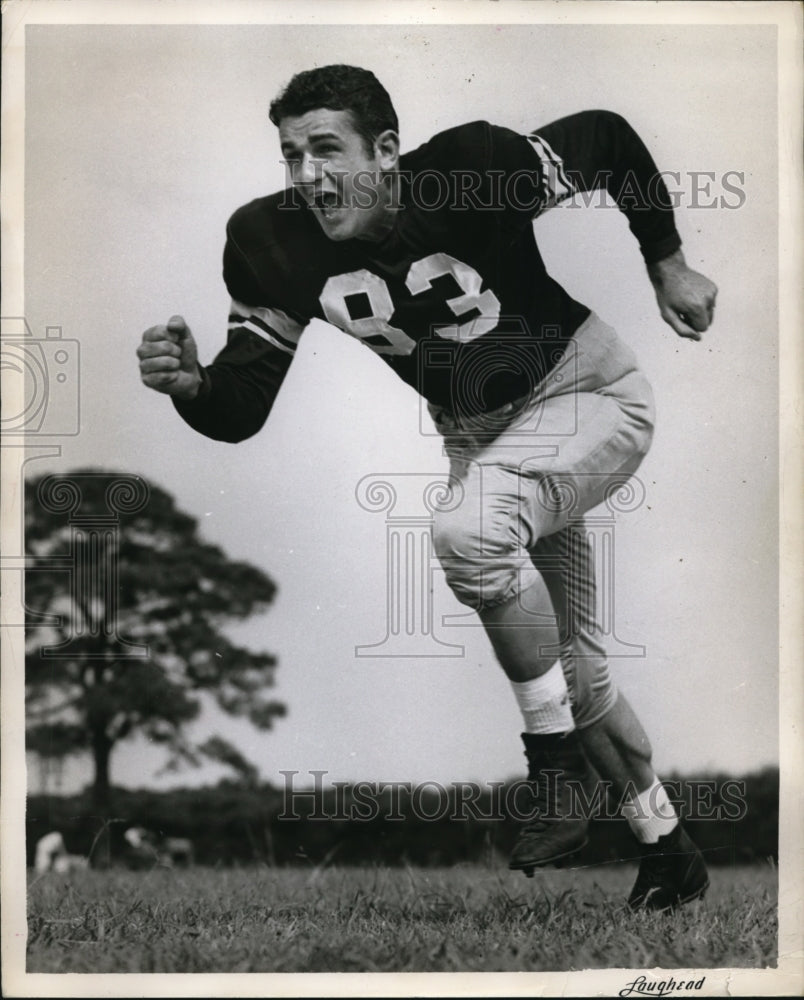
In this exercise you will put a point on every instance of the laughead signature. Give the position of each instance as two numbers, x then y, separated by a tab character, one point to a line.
660	987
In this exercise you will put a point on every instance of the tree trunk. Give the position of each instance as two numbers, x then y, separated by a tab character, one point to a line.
101	752
101	799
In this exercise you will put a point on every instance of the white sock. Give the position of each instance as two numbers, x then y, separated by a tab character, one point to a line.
651	814
544	702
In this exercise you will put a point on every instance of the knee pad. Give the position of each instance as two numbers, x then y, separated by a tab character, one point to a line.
481	548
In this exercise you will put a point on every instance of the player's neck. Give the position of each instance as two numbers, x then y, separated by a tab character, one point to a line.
382	227
385	217
383	221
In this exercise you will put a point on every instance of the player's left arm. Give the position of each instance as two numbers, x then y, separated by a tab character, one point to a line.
600	150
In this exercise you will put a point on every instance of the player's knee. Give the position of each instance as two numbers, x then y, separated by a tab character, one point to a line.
456	536
482	559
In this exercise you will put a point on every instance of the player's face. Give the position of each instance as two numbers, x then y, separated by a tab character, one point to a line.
337	176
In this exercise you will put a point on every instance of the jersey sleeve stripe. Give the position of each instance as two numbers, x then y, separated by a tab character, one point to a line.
557	185
273	325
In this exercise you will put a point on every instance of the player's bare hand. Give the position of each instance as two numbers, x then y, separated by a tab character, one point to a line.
169	359
686	298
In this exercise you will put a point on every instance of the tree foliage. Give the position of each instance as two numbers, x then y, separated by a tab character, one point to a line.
126	614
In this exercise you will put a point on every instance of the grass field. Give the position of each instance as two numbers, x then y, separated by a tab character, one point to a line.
387	920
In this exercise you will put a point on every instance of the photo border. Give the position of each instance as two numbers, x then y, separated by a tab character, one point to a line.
788	978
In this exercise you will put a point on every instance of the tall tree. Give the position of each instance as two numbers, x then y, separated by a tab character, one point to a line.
127	609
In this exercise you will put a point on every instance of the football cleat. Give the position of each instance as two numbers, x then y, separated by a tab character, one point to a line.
556	762
671	874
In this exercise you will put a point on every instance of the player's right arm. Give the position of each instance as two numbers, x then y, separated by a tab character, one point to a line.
229	399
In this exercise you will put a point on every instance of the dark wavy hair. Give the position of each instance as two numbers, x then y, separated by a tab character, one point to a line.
339	88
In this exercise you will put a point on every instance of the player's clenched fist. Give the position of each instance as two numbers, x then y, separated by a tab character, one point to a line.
686	298
169	359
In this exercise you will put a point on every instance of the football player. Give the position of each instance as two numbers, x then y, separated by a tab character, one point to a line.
429	258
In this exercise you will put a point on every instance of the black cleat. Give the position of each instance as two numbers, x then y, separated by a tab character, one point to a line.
673	873
558	831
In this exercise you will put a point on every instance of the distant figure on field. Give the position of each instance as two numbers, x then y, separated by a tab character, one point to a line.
52	856
145	849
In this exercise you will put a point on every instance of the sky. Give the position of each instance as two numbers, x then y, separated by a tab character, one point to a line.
140	141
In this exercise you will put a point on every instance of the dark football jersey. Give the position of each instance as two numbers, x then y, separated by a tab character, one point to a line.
456	298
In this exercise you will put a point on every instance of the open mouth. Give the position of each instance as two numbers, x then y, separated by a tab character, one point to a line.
327	203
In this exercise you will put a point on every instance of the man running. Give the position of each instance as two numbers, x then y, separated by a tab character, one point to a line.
430	259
